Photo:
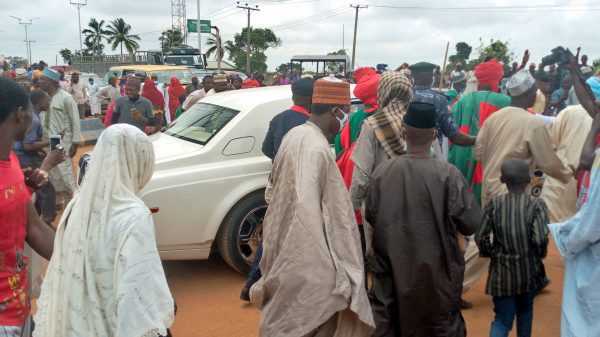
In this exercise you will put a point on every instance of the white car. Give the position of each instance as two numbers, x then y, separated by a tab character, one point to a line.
207	191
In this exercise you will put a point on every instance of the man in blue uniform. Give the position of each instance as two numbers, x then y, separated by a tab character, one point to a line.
422	73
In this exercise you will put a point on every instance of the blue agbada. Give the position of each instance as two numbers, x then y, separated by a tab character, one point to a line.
578	240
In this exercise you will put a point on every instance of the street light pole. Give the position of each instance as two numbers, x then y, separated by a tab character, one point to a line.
198	27
79	4
25	23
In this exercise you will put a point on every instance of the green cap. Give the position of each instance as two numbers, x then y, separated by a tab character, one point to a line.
422	67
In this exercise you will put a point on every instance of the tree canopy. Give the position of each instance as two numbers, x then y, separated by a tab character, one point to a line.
463	52
260	40
285	68
171	38
66	55
94	35
119	34
333	66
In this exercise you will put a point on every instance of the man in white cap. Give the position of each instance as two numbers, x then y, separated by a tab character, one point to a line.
62	118
513	132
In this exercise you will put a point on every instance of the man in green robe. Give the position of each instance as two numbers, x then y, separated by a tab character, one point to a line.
470	111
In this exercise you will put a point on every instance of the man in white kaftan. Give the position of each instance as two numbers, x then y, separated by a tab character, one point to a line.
62	118
568	133
312	267
94	89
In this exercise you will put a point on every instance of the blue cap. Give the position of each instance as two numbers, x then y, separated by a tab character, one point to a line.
51	74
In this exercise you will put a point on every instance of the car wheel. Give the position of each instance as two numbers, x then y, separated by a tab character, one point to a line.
240	232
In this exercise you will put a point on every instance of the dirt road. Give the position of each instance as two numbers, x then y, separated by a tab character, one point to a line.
207	293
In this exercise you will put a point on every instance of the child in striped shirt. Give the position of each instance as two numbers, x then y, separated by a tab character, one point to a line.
514	235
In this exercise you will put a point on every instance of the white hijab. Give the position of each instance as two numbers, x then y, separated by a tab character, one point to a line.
105	277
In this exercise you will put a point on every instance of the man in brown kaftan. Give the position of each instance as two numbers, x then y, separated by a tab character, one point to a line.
417	205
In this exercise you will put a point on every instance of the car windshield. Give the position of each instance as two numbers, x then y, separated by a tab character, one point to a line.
183	75
200	123
187	60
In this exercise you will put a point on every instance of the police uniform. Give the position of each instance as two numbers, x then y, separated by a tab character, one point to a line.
446	125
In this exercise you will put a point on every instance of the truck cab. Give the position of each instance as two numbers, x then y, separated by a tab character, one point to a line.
188	57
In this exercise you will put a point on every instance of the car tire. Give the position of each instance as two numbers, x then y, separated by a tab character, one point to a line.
242	222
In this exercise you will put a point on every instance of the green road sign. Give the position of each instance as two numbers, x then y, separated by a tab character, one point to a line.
193	27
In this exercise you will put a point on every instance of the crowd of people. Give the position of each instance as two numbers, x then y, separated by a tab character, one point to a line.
426	192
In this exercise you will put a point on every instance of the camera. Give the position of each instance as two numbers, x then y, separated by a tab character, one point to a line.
559	55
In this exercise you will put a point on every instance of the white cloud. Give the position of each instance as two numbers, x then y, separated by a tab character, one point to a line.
386	35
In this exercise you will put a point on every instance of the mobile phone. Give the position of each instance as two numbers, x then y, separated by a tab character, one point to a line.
54	142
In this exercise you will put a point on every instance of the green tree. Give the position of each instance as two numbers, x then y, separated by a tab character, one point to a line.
261	39
94	35
463	52
16	60
171	38
227	47
596	64
119	34
497	49
66	55
333	66
285	68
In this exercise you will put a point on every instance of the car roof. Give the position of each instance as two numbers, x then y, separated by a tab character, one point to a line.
248	99
148	67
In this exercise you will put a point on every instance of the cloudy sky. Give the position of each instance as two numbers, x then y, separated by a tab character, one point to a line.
389	31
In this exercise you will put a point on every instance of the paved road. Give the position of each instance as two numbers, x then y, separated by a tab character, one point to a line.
207	293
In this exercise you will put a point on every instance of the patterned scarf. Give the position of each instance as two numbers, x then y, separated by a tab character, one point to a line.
393	95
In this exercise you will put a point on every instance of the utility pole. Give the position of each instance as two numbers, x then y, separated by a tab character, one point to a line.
357	7
249	9
25	23
79	4
343	37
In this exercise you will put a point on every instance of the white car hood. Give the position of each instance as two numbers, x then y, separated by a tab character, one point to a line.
166	146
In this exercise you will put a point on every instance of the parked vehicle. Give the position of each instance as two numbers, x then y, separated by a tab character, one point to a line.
163	72
207	191
84	78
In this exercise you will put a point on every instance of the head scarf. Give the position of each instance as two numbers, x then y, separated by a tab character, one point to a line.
366	90
394	93
489	74
363	72
105	277
175	90
153	95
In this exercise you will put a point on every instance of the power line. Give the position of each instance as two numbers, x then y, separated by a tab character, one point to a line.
25	23
319	16
512	8
345	11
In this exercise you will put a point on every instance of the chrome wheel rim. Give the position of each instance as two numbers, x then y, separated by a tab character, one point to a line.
249	233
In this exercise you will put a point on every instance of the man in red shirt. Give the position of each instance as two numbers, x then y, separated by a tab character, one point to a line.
19	221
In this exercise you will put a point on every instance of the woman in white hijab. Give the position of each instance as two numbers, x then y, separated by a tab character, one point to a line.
105	278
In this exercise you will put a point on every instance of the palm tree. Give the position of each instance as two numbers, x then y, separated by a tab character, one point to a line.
118	34
228	47
95	34
171	38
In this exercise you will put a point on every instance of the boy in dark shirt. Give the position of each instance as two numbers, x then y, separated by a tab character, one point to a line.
514	235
